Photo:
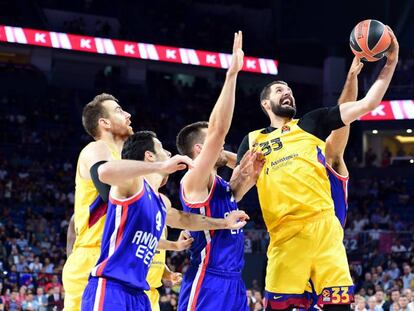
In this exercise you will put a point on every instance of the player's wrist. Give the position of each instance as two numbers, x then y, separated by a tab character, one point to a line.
232	74
226	224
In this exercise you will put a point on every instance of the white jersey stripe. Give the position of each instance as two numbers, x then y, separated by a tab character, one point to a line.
200	268
98	295
112	241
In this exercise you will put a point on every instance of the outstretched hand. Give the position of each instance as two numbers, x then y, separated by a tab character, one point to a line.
236	220
392	54
238	55
176	163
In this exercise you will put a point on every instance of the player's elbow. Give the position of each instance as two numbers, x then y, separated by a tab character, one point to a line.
370	104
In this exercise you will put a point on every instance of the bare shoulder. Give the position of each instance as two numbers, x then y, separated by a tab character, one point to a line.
92	153
94	147
96	151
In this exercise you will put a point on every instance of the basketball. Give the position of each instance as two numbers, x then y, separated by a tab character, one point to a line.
370	40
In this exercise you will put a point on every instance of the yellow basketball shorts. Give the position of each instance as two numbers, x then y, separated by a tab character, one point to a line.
154	298
76	273
310	251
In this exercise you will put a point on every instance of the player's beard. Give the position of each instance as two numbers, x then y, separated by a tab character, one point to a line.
123	132
284	111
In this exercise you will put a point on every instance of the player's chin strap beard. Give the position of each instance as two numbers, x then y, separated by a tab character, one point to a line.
284	112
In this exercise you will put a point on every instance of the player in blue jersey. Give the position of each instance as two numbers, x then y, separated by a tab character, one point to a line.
136	218
335	163
134	224
213	281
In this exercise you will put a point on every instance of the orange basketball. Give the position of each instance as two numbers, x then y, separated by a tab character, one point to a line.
370	40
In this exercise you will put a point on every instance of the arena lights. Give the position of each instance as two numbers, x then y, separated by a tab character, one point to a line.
392	110
129	49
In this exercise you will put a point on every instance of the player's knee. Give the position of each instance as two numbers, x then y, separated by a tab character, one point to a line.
337	308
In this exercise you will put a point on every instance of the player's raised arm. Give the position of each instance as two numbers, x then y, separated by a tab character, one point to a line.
351	111
197	179
193	222
337	140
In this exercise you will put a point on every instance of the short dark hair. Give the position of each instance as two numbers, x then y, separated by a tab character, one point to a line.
93	111
136	145
188	136
265	93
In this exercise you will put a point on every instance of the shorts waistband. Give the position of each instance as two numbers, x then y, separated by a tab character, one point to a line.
220	273
115	284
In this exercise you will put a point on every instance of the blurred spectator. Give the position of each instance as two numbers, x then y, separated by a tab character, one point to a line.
394	271
407	277
379	299
13	304
41	299
360	303
403	303
55	299
409	294
30	303
393	303
372	304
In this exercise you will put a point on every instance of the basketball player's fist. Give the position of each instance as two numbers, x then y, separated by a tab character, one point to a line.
171	279
356	67
184	241
238	55
176	163
392	54
236	220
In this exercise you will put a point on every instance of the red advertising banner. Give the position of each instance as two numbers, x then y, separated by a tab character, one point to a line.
152	52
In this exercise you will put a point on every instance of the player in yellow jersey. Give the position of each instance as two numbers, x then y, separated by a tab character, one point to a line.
295	198
103	119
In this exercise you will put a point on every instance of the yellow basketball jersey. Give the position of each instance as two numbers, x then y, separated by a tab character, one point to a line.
90	210
293	185
157	267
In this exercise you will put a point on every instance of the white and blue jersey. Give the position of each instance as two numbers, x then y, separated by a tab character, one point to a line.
132	230
213	280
